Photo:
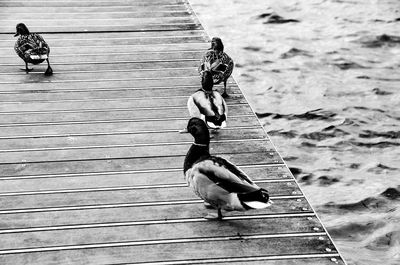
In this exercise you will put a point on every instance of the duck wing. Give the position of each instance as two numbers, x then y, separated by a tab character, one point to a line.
194	110
220	104
202	102
226	175
228	64
232	168
31	45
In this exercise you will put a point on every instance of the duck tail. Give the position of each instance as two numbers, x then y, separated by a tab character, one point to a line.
258	199
217	121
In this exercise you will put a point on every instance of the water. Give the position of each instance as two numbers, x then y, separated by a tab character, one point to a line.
323	77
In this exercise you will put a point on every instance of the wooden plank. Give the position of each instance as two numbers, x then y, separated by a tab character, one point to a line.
103	38
110	93
131	212
326	259
128	195
217	248
35	77
107	115
92	9
126	164
144	126
45	84
121	49
108	140
171	177
104	14
115	27
92	23
108	58
105	104
133	151
89	67
153	231
20	4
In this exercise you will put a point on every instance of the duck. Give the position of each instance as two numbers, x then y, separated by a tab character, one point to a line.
32	48
208	104
217	181
218	62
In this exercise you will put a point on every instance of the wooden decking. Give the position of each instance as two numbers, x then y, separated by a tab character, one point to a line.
91	159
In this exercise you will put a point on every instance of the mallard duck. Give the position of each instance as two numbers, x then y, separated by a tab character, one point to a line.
208	104
218	62
216	180
32	48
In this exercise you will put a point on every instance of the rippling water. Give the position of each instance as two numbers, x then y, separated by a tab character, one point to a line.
324	79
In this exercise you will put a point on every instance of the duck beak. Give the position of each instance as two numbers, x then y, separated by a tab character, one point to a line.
16	34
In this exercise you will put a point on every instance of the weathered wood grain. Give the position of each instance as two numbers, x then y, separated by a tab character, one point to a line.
131	212
133	151
7	3
107	127
121	179
52	117
128	195
125	164
44	83
106	93
103	38
222	248
105	57
148	231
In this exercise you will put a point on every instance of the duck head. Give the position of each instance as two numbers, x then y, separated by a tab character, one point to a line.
216	44
207	81
198	129
21	29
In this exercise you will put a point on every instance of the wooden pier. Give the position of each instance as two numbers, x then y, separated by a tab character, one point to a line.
91	158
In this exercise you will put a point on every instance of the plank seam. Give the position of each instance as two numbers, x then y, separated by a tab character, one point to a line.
229	260
98	89
10	125
119	188
124	205
105	80
150	222
161	241
91	174
123	99
121	53
106	109
121	145
189	68
112	62
24	162
104	133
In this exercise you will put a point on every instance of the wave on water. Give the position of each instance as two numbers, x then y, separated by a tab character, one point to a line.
317	114
295	52
383	202
381	92
380	41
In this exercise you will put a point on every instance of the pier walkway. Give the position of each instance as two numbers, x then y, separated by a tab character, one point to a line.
91	159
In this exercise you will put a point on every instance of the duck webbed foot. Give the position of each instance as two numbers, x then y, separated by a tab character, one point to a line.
214	216
49	70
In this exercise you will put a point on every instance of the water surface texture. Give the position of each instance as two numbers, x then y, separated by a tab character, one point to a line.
324	77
